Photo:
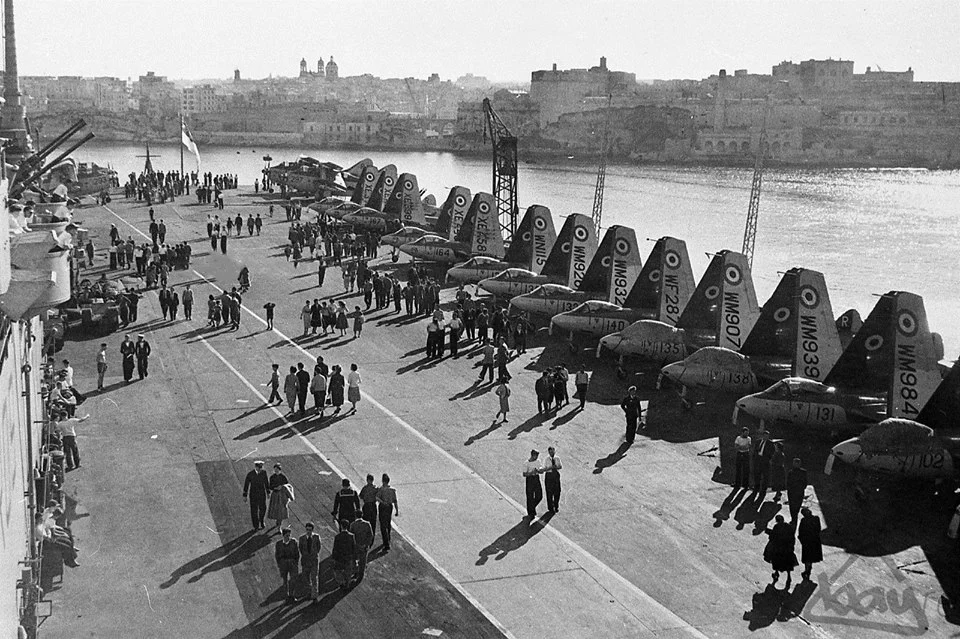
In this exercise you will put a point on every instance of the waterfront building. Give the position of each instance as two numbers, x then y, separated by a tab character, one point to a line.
201	99
563	91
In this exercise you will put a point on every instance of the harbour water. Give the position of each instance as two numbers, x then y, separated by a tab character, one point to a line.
868	231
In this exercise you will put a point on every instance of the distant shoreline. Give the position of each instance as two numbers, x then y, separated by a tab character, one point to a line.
535	156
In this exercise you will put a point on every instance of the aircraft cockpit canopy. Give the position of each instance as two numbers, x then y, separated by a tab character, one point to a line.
796	388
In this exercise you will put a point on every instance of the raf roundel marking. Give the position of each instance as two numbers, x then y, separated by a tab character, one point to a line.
539	223
622	246
672	259
809	297
907	323
484	207
565	247
371	177
733	275
781	314
527	236
873	343
712	292
655	275
461	200
408	185
388	181
580	233
605	261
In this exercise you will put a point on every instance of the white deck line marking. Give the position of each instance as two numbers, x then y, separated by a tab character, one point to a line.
597	563
443	573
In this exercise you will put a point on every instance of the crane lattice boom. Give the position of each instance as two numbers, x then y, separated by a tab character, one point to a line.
601	170
753	210
504	170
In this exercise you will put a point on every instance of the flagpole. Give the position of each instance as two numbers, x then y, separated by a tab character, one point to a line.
181	145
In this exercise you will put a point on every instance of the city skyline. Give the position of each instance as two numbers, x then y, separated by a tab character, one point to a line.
654	40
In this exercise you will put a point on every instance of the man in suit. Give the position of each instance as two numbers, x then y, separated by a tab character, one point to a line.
174	303
310	559
127	351
303	387
142	349
796	487
363	537
287	554
762	451
256	486
164	297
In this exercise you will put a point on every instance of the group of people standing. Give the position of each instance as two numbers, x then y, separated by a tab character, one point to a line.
355	515
326	385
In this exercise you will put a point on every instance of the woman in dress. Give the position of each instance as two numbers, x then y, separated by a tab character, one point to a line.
279	496
316	317
779	551
328	317
357	322
306	315
290	387
503	392
213	313
335	388
353	387
342	319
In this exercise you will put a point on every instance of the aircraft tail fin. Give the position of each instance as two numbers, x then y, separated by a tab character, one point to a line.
533	240
615	267
572	252
796	325
723	308
453	212
942	412
365	183
848	325
487	236
383	188
665	283
893	353
405	201
355	170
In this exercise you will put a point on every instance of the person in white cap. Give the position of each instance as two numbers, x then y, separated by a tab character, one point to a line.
256	485
631	409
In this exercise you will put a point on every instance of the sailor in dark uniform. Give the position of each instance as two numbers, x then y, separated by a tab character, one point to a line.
127	350
256	487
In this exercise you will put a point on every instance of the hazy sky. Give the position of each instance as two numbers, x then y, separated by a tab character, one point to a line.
500	39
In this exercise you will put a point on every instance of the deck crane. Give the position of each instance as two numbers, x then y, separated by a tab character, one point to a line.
602	170
753	210
504	169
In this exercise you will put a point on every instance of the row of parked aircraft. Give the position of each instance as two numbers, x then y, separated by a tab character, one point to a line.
880	377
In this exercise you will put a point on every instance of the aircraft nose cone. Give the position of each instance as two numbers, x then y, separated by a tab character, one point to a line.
561	321
673	371
522	302
848	451
484	283
611	342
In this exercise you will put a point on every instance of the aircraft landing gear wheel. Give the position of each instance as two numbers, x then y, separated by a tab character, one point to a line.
621	374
